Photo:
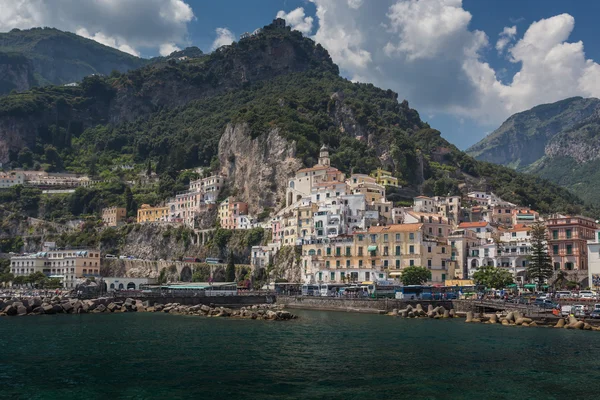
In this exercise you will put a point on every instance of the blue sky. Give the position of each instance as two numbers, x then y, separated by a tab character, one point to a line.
446	57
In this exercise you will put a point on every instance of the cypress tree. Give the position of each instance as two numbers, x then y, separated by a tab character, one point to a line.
540	263
230	270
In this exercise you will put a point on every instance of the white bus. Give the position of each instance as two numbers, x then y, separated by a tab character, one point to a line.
331	289
311	290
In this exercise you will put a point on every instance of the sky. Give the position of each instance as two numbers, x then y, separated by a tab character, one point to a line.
465	65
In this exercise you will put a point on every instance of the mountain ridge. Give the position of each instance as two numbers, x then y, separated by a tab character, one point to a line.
171	116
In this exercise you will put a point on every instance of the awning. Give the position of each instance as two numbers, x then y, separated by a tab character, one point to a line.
512	285
372	248
395	273
530	286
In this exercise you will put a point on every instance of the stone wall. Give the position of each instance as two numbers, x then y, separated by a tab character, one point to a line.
357	305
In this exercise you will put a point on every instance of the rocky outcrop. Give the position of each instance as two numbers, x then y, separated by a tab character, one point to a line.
58	305
258	169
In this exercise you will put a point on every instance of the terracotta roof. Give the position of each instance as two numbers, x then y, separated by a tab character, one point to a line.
520	228
422	197
479	224
396	228
315	168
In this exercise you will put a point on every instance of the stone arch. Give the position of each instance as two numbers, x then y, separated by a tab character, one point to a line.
112	286
474	264
318	252
131	286
121	286
186	274
292	184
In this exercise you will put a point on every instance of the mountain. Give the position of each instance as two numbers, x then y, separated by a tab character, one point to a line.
43	56
257	110
559	142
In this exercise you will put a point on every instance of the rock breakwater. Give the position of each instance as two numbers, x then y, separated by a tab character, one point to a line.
59	305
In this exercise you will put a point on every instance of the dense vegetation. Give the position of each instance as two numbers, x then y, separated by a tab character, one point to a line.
57	57
308	101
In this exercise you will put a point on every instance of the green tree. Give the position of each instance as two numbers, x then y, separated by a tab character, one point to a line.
20	280
492	277
25	157
130	203
53	159
230	270
415	275
560	279
149	168
540	263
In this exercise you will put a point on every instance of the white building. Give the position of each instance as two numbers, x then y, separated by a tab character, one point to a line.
261	256
593	247
12	178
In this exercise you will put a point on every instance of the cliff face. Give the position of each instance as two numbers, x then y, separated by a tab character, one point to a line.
258	169
16	73
522	139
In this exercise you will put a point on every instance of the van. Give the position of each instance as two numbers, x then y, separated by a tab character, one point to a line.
565	311
586	294
564	294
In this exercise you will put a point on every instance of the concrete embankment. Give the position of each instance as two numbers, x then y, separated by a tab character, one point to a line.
376	306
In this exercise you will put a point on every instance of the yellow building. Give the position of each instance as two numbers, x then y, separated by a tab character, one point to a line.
114	216
374	254
384	177
147	213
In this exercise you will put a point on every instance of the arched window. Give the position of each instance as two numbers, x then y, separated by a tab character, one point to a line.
121	286
112	286
131	286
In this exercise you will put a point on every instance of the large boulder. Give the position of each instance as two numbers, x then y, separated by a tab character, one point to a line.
37	311
21	310
10	310
270	314
48	308
493	319
469	316
560	323
204	308
67	306
452	313
112	307
100	308
510	317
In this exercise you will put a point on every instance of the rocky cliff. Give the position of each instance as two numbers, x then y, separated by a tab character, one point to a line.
258	169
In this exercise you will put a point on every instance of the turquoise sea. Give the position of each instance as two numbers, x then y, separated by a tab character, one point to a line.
322	355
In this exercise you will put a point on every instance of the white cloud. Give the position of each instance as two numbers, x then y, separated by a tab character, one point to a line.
129	25
167	48
224	37
298	20
505	37
108	41
427	52
356	4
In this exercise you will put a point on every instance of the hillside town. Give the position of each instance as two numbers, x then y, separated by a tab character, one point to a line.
345	230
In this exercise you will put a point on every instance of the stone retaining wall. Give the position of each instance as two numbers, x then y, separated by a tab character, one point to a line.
364	305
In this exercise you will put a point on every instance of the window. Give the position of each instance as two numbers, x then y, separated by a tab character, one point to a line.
554	234
329	251
555	249
385	250
397	250
398	237
320	276
443	250
326	264
411	236
342	276
443	264
337	263
360	263
569	234
411	263
360	251
360	238
347	263
385	263
429	263
332	276
348	251
397	264
569	249
338	251
429	249
411	249
385	237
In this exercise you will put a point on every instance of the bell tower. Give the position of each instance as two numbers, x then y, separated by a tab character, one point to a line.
324	156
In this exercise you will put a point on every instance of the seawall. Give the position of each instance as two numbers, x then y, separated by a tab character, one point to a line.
228	301
354	305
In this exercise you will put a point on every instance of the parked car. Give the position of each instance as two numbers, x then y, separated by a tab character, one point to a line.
587	294
544	303
596	311
578	310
